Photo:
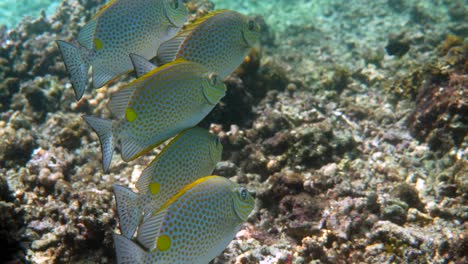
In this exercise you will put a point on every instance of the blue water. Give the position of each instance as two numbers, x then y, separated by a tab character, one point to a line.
280	13
12	11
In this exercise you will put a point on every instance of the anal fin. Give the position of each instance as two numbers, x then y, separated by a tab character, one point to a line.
86	34
101	76
150	229
168	50
119	100
131	149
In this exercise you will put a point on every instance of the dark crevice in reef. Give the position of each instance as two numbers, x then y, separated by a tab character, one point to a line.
11	221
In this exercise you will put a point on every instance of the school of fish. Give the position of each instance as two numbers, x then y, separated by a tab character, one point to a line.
180	212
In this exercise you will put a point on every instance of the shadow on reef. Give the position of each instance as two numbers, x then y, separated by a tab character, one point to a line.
439	117
11	222
248	85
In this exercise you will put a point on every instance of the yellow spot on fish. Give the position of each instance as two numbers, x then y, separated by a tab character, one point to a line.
154	188
98	43
164	243
130	114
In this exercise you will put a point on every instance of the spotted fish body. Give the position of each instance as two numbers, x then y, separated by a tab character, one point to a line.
194	226
157	106
220	41
193	154
122	27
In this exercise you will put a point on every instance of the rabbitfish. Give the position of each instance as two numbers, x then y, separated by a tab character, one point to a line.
193	154
219	40
194	226
155	107
120	28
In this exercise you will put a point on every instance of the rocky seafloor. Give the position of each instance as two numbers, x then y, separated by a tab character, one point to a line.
350	124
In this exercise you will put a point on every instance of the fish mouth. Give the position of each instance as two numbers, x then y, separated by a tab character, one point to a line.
247	42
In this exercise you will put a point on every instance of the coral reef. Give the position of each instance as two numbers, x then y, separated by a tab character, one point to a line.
439	117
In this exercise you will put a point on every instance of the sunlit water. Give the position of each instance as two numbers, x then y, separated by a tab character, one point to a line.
12	11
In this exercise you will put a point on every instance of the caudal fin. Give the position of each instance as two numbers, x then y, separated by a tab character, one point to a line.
103	129
141	65
128	210
127	251
76	66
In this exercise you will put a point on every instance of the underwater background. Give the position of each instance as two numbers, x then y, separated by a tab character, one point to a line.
349	122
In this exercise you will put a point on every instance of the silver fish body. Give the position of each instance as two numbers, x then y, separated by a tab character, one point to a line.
220	41
156	107
193	154
194	226
122	27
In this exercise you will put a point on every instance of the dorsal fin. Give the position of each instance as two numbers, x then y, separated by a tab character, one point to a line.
185	189
167	52
203	19
157	69
103	9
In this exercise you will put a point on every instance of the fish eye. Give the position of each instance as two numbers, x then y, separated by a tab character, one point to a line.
243	193
214	79
251	25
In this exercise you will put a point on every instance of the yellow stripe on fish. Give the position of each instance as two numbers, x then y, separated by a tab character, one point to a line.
194	226
157	106
219	40
194	153
120	28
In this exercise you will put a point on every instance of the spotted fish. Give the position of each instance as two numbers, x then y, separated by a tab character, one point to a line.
219	40
193	226
120	28
193	154
155	107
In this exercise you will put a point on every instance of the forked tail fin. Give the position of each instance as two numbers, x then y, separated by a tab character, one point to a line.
128	210
127	251
103	129
76	65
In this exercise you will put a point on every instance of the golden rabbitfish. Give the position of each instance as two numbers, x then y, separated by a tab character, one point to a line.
122	27
219	40
194	226
193	154
155	107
